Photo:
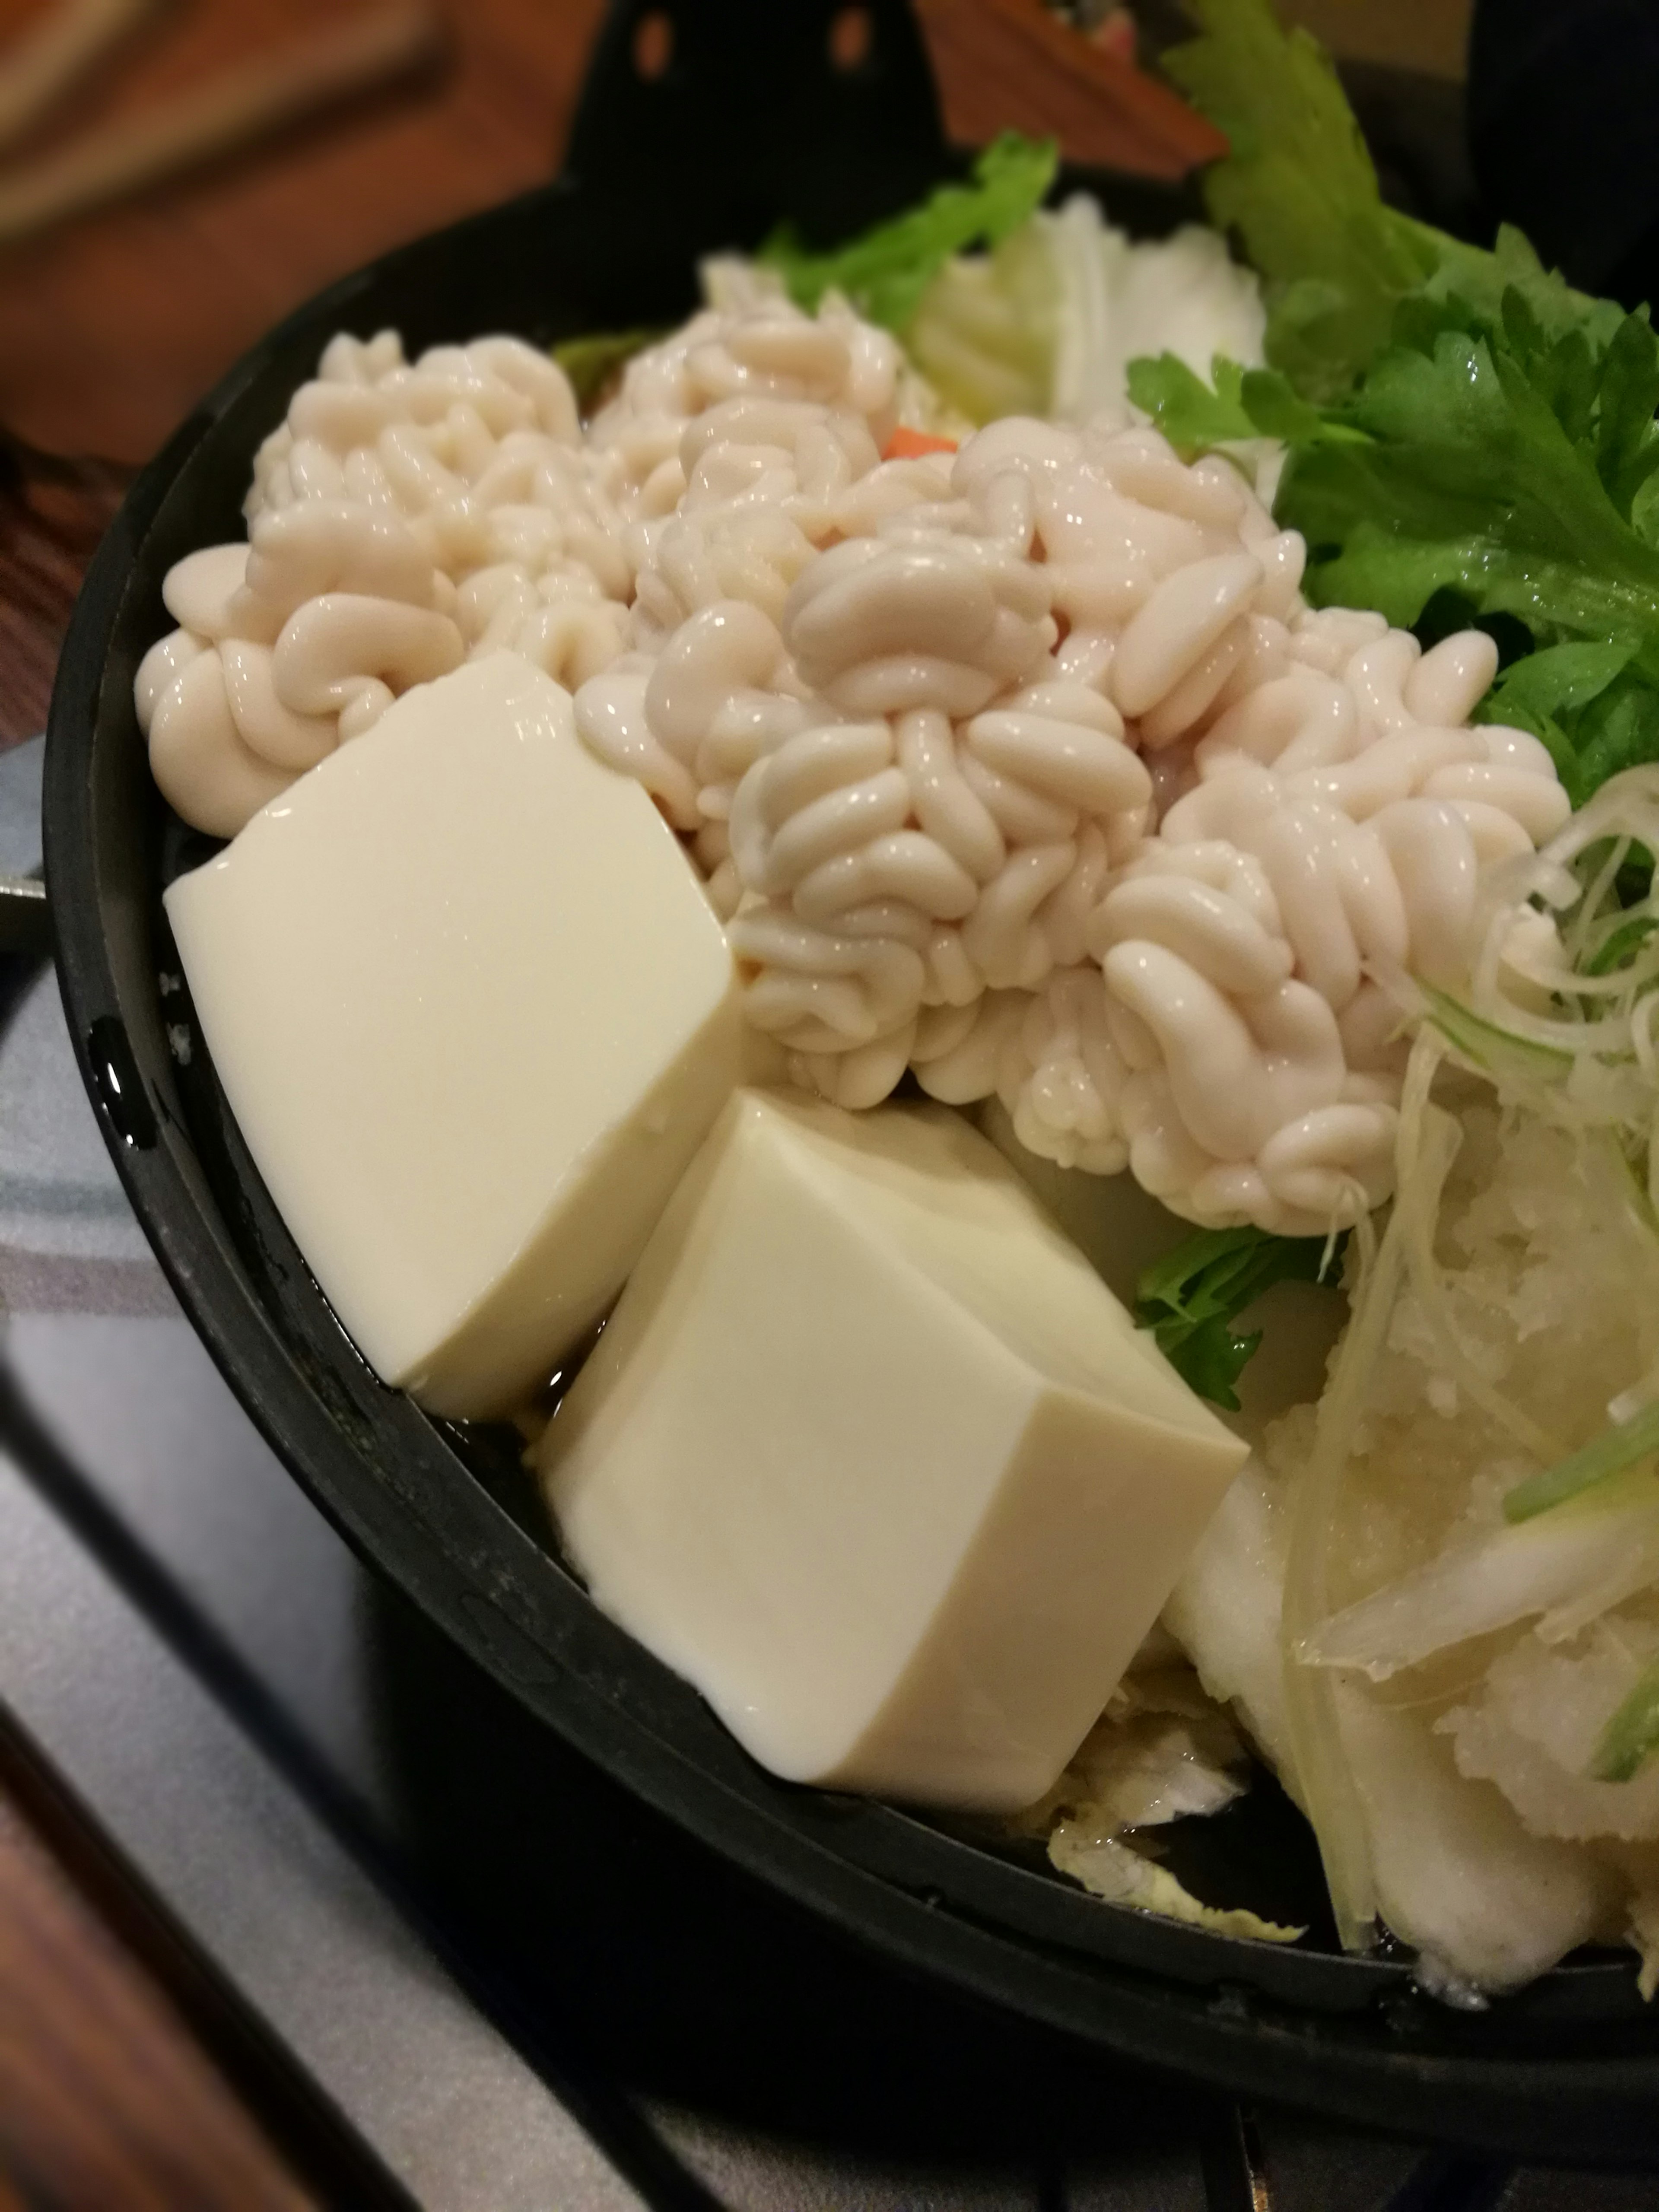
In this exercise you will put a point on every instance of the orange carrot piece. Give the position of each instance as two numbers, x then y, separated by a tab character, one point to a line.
907	445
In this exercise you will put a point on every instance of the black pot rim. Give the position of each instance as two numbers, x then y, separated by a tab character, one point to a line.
1347	2035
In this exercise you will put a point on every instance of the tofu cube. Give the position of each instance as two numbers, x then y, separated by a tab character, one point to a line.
869	1454
474	1016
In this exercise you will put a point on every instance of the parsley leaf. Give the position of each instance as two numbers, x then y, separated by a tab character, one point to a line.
1299	188
1502	452
1190	1297
1572	697
884	273
1552	683
1510	455
1189	413
1460	425
1245	403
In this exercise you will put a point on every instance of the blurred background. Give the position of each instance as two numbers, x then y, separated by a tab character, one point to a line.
176	174
384	118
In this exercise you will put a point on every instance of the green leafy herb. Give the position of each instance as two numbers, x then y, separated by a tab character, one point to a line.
884	273
1461	426
1554	685
1299	188
1492	462
1245	403
1188	411
1503	463
1618	730
1617	949
1631	1736
1548	693
1502	453
590	362
1190	1298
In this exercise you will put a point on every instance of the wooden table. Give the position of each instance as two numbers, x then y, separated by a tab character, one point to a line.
108	2100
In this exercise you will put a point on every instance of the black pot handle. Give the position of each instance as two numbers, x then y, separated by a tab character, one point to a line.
748	106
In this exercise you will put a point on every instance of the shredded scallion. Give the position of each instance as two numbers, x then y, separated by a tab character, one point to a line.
1620	1446
1631	1736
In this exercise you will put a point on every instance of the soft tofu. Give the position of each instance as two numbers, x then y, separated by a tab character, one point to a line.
870	1453
474	1016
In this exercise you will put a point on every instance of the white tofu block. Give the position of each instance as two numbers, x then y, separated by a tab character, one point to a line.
474	1016
870	1453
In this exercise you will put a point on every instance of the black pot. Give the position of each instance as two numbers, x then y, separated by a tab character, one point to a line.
704	155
